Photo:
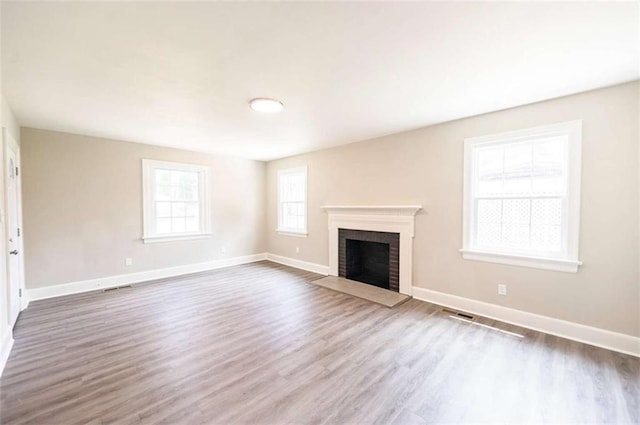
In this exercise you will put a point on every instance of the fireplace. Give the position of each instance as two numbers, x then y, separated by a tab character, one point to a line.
369	257
368	262
378	222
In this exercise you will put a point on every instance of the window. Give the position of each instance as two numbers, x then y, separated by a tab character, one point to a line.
522	197
175	201
292	201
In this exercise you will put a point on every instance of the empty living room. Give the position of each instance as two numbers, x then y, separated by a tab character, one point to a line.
340	212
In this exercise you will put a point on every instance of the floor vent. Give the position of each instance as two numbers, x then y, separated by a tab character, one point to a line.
465	316
470	319
115	288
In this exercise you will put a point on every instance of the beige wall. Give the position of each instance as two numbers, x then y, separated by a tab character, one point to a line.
9	121
425	167
82	208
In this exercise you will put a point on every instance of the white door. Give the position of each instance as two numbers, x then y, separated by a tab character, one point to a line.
12	231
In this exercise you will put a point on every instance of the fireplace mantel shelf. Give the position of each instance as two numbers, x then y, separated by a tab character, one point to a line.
409	210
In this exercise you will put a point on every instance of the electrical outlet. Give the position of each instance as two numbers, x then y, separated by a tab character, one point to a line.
502	289
297	250
128	261
223	250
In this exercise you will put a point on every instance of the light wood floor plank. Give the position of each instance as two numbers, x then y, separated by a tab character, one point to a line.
259	344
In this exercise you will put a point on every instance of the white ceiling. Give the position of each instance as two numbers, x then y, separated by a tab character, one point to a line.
180	74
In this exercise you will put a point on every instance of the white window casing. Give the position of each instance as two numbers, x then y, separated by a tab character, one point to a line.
292	201
176	201
521	199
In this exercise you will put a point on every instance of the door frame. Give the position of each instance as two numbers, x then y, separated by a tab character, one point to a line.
10	143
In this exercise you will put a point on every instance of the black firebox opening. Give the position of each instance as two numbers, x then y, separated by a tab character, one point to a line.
368	262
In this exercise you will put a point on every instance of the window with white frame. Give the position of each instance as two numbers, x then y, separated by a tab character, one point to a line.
292	201
176	201
522	197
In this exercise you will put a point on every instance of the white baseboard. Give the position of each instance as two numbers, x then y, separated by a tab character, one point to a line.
5	349
25	299
129	278
299	264
614	341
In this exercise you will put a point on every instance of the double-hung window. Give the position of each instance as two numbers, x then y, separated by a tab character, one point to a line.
292	201
176	201
522	197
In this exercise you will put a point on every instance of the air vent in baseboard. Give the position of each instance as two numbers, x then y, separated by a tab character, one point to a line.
469	318
115	288
466	316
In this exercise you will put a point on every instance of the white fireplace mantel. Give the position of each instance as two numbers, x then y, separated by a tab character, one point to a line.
403	210
376	218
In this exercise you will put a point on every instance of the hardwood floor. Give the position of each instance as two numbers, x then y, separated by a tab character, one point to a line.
259	344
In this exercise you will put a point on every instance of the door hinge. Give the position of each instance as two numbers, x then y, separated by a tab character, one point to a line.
20	292
18	231
17	171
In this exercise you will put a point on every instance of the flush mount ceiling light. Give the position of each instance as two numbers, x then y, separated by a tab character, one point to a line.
266	105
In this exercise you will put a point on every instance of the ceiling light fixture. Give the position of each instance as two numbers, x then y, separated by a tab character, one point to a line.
266	105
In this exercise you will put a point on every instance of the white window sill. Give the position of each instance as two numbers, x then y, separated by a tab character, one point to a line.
296	233
556	264
171	238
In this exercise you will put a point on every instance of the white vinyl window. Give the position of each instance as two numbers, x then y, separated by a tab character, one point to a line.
176	201
522	197
292	201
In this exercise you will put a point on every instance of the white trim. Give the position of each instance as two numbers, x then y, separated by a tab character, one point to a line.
295	170
603	338
5	349
170	238
129	278
393	219
567	259
9	143
291	233
299	264
521	260
25	298
409	210
149	234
